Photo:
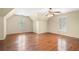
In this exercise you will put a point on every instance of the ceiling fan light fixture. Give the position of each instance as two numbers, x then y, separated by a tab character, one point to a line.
50	15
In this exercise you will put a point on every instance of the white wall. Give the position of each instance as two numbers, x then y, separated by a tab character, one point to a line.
72	24
39	23
4	14
18	24
1	28
40	26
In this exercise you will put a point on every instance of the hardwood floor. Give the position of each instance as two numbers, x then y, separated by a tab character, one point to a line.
39	42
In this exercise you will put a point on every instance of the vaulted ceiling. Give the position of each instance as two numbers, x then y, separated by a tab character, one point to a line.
30	11
4	11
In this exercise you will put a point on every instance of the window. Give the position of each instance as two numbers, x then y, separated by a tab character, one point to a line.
62	26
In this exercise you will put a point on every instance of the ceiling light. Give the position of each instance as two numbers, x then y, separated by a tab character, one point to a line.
50	15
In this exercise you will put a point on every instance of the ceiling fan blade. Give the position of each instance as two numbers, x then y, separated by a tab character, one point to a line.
57	12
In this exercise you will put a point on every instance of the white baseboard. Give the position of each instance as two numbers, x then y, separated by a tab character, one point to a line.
64	35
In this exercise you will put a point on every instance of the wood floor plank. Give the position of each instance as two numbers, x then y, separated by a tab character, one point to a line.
39	42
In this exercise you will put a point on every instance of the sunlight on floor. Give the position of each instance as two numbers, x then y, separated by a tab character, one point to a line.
21	41
62	45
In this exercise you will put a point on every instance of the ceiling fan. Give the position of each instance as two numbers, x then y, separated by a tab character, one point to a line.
51	12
